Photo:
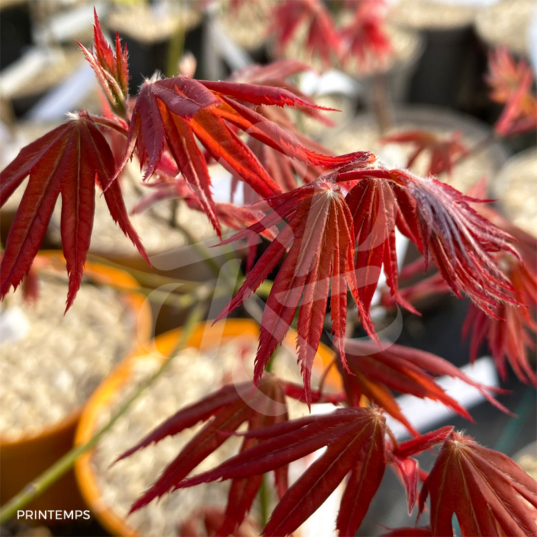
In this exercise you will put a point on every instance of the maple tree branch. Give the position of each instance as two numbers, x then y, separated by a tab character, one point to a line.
264	501
175	49
381	104
65	463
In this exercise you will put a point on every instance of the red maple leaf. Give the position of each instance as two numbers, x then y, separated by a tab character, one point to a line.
67	161
354	438
175	112
365	37
110	67
440	221
376	372
444	151
280	166
485	489
355	441
319	219
224	411
511	84
322	38
320	238
510	333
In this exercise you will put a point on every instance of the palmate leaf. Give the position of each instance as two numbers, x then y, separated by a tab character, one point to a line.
366	36
319	241
446	229
322	38
511	84
354	439
376	372
356	446
224	411
110	67
485	489
319	235
67	161
178	112
283	168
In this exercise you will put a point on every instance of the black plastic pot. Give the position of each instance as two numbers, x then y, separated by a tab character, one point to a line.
15	32
446	71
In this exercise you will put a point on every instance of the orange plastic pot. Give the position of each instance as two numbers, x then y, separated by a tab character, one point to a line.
204	336
24	459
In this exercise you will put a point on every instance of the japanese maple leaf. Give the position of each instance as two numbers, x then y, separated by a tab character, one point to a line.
354	441
444	151
320	238
178	112
224	411
280	166
488	492
511	84
110	67
356	445
276	74
510	334
365	37
446	229
376	373
67	161
321	36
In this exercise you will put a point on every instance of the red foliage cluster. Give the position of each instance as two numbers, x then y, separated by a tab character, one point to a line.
334	233
364	38
511	84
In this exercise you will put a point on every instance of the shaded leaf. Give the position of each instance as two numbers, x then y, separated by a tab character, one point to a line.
376	373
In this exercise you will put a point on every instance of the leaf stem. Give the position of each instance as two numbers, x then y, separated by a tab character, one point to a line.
65	463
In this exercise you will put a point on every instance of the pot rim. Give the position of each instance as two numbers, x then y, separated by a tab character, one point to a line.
134	302
202	337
